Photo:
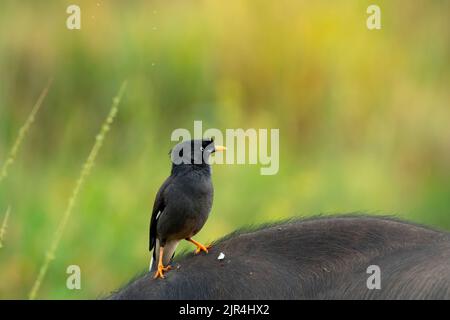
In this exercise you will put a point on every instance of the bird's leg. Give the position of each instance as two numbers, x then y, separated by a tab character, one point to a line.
200	247
160	271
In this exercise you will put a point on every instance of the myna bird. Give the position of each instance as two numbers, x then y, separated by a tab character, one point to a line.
183	202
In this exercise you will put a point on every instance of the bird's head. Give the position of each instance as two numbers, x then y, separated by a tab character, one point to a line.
194	152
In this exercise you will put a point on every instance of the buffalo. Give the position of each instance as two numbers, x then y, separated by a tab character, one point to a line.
334	257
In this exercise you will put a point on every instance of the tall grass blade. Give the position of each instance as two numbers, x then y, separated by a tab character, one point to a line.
50	255
22	133
4	226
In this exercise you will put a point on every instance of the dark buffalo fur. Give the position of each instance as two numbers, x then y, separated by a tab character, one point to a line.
317	258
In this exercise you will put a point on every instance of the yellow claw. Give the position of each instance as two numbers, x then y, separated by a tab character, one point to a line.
160	272
199	246
202	248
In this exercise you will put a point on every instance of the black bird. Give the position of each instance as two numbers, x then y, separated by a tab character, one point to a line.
183	202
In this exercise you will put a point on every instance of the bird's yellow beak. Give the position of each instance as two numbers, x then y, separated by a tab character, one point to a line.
219	148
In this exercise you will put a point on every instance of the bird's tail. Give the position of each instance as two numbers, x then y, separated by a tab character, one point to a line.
152	265
152	260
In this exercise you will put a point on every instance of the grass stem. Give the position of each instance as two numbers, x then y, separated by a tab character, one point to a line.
50	255
4	226
23	132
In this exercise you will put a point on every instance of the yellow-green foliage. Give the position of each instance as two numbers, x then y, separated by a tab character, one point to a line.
364	120
84	173
4	226
22	133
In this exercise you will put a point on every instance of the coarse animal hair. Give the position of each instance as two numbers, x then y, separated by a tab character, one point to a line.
313	258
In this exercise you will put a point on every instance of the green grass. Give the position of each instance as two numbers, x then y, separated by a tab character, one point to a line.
22	134
4	225
363	117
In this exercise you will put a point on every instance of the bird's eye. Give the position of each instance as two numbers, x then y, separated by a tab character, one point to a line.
201	149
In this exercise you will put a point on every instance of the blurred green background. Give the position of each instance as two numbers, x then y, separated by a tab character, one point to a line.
364	120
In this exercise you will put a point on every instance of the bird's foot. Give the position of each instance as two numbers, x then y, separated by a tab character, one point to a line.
199	246
160	272
203	248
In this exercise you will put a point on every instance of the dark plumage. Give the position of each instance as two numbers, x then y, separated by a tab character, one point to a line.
183	202
316	258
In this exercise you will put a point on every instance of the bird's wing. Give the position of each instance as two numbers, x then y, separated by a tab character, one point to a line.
158	208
